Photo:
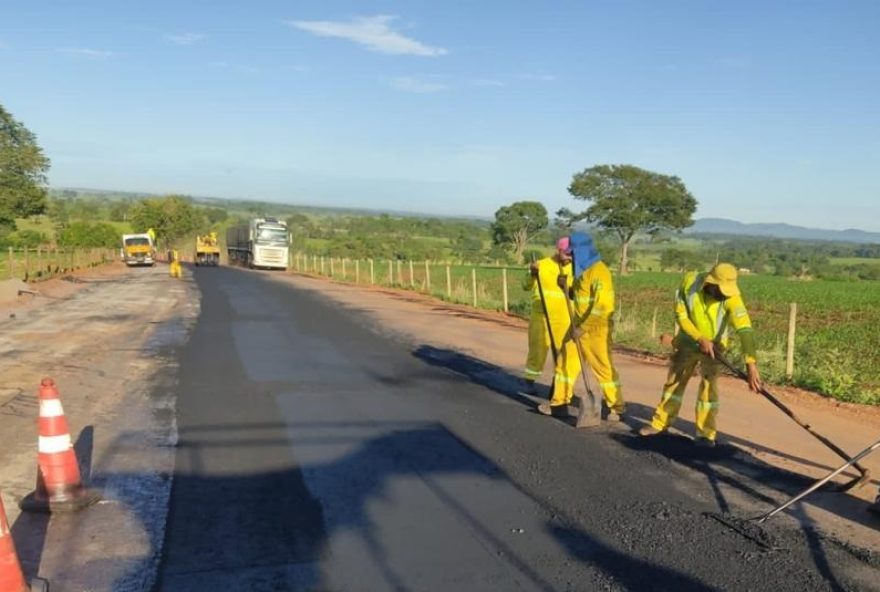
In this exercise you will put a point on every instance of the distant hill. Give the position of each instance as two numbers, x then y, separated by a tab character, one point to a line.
723	226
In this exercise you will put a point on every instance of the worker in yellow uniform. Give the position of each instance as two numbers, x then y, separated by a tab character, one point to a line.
593	295
707	305
546	271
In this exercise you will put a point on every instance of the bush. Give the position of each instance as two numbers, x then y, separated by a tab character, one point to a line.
88	234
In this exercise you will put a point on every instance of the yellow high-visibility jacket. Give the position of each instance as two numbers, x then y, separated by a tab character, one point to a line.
548	272
700	315
594	295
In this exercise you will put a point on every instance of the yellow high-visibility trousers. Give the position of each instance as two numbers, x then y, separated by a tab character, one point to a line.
596	345
681	367
539	342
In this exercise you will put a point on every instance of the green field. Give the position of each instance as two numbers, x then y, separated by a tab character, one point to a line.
837	348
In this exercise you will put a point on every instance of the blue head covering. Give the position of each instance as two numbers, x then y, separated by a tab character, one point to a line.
583	252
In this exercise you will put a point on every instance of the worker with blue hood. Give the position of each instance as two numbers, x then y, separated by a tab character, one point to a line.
593	295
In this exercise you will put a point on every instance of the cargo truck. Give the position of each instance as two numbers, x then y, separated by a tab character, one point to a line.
260	243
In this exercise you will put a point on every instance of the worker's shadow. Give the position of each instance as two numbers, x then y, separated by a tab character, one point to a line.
490	376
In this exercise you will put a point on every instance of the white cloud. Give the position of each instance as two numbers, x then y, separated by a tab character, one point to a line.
85	52
185	38
488	82
373	32
414	85
538	77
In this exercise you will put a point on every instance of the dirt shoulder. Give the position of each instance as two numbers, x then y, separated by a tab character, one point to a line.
746	421
105	336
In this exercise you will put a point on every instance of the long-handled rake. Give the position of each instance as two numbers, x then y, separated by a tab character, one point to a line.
864	474
748	527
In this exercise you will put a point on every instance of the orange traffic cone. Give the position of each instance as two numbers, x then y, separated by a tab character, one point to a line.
11	577
59	485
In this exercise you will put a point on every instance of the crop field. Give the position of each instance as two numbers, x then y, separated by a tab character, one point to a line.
837	348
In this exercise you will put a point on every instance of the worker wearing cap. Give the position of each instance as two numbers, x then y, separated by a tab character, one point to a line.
707	305
593	295
546	271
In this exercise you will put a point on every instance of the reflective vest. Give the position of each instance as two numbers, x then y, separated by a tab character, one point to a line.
701	316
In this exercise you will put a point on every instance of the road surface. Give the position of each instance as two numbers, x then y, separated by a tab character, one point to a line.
316	451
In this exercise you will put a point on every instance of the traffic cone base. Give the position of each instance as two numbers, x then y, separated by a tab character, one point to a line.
75	501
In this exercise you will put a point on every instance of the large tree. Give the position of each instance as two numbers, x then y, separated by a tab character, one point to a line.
626	199
516	223
172	217
23	168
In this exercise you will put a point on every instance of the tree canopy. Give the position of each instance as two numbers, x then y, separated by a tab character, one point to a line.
626	199
23	168
172	217
516	223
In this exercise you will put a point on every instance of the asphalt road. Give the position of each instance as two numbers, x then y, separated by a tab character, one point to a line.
318	454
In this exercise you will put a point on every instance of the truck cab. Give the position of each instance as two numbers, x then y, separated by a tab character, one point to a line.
138	249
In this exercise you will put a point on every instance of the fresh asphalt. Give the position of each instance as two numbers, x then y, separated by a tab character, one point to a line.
318	453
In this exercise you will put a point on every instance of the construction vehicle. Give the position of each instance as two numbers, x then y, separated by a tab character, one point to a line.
207	250
260	243
139	249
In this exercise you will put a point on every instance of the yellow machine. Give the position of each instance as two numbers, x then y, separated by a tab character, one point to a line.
207	250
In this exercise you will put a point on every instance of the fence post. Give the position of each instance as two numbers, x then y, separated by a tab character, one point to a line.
314	264
412	276
390	272
27	263
789	354
400	272
372	276
332	271
344	274
474	284
654	324
322	265
448	283
11	263
504	288
40	260
427	277
357	271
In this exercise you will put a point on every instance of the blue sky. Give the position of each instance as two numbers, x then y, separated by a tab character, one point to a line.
768	111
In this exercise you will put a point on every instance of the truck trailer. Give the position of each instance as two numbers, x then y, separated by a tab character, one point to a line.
262	243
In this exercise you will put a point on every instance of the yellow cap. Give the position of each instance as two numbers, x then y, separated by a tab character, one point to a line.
724	276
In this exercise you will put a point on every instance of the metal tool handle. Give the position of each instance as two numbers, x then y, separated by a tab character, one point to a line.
863	472
820	482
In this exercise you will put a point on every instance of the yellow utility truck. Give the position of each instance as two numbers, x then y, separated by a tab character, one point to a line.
207	250
139	249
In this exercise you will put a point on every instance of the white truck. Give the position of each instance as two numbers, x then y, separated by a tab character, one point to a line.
261	243
138	249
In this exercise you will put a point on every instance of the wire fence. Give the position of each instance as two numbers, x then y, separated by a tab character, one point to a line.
41	263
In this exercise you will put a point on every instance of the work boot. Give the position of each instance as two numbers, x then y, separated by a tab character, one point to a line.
545	409
614	417
704	443
649	430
